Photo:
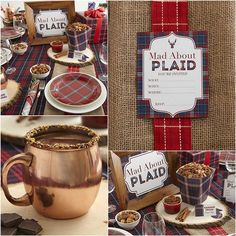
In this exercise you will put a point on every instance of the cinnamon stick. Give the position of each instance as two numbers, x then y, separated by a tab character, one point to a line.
61	54
180	214
187	212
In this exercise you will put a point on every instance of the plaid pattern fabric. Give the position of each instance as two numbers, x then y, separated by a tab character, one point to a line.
93	23
34	55
194	191
143	106
75	89
210	158
217	231
216	191
77	40
9	31
172	134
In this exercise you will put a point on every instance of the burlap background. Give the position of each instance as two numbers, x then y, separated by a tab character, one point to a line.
126	130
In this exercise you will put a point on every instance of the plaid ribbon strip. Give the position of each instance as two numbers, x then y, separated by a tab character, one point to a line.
98	25
171	16
217	230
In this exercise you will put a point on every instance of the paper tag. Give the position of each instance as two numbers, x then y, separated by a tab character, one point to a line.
229	188
209	210
172	74
4	95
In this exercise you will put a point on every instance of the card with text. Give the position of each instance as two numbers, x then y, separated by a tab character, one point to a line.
172	74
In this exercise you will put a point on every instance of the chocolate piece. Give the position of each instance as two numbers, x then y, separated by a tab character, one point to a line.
10	219
8	231
29	227
199	211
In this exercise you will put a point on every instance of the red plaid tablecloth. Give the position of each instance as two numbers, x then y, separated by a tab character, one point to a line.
34	55
216	191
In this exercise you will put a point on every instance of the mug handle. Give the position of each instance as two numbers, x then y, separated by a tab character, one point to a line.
25	159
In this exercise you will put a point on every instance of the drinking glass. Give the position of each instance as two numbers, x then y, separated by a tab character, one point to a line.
111	188
9	69
103	59
230	162
18	22
153	224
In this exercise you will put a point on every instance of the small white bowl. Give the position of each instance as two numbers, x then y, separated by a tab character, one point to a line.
19	51
40	76
128	226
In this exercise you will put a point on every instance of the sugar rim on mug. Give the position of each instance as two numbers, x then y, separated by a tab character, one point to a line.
30	137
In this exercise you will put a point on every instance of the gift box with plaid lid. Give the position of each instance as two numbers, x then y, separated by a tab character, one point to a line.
97	20
194	181
210	158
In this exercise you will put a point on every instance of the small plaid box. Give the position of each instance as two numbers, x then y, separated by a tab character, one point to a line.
194	190
98	25
78	40
210	158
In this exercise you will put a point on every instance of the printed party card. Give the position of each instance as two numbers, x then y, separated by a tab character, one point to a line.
172	74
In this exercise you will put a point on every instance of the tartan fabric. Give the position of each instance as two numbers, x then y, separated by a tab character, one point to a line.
172	134
34	55
75	89
194	191
171	16
201	157
143	106
9	31
77	40
216	191
93	23
217	230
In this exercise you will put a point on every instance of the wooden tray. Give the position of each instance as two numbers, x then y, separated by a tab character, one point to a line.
192	221
65	60
13	91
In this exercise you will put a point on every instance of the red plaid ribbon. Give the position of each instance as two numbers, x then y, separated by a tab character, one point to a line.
171	133
217	230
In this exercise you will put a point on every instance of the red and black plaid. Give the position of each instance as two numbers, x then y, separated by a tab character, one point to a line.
75	89
78	40
210	158
97	24
194	191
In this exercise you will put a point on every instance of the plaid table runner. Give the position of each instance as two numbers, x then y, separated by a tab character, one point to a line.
171	134
34	55
216	191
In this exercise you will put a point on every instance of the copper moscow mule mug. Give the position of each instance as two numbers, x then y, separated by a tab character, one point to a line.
62	171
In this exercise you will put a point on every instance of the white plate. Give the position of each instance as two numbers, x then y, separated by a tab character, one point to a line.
5	59
21	33
123	232
75	110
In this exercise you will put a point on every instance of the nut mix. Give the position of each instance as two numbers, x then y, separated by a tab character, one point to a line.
127	217
77	27
40	69
19	46
195	170
172	200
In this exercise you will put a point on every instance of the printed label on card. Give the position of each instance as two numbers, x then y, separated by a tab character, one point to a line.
4	95
172	74
145	172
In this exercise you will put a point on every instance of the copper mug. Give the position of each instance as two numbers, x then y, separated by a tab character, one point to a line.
62	171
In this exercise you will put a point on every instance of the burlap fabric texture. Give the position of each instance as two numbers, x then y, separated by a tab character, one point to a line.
127	132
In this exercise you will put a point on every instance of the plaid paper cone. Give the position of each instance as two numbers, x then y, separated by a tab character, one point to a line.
78	41
194	190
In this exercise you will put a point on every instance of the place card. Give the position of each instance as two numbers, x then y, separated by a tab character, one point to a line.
172	74
4	96
229	188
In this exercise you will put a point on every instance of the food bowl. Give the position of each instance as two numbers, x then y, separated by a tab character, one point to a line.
56	46
40	71
19	48
128	219
171	205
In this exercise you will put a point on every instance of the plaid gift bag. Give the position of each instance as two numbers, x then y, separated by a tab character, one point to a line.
210	158
194	190
98	25
77	40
